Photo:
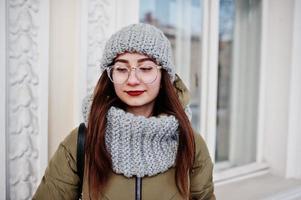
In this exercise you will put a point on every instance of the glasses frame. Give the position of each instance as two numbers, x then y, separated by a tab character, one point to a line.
129	74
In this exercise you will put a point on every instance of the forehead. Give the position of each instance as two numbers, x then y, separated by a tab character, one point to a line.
133	57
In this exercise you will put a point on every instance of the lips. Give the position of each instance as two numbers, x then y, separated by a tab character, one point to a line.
135	93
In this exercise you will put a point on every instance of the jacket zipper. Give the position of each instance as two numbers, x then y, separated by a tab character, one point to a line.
138	188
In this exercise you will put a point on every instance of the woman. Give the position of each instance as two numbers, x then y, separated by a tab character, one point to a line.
139	141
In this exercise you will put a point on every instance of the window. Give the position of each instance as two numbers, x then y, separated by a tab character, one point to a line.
238	82
181	22
237	62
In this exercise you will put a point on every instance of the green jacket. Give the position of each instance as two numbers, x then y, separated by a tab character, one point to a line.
61	181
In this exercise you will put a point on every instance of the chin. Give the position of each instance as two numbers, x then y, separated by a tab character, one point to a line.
136	104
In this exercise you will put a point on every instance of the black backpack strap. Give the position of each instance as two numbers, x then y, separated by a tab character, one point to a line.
80	156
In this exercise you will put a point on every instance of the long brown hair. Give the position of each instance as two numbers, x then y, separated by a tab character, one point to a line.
98	160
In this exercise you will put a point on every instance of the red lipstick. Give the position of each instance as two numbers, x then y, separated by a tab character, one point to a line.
135	93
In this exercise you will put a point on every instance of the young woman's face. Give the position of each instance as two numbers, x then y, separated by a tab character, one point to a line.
141	88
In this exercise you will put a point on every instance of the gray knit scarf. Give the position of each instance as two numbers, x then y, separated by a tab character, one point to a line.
141	146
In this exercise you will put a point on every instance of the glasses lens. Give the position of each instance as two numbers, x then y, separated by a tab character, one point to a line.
147	73
119	73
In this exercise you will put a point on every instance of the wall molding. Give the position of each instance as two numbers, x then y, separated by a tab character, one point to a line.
26	129
3	95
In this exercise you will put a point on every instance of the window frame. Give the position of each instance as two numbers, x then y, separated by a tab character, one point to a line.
209	84
208	108
208	95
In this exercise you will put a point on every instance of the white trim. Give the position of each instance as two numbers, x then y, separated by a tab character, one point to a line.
3	111
213	74
203	109
262	82
239	173
43	45
293	169
77	73
209	73
222	165
81	72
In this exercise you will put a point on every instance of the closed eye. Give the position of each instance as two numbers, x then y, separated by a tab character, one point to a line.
121	69
146	68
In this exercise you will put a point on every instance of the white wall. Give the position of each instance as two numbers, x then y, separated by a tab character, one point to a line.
64	50
278	57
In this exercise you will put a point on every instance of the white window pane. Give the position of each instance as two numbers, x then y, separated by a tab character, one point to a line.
238	81
181	21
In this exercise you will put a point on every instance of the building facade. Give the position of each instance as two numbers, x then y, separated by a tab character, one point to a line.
240	59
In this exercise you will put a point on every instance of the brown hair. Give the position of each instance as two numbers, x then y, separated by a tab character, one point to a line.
98	161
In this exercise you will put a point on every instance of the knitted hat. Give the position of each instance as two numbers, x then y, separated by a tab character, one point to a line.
140	38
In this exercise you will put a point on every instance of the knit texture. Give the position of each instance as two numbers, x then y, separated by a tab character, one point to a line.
141	146
140	38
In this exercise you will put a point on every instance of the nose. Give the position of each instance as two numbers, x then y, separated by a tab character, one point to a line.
133	80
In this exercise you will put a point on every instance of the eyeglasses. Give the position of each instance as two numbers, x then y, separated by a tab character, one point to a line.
147	73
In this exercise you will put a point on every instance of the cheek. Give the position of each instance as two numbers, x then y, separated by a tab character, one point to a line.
118	90
156	86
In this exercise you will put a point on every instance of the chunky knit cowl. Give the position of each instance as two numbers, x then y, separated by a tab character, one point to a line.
141	146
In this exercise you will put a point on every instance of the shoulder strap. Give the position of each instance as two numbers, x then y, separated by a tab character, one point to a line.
80	156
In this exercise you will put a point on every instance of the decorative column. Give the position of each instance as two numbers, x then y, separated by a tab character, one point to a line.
100	24
26	95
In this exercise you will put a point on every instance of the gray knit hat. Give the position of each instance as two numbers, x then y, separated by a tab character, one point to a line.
140	38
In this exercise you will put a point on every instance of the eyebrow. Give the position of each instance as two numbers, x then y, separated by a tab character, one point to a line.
139	60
